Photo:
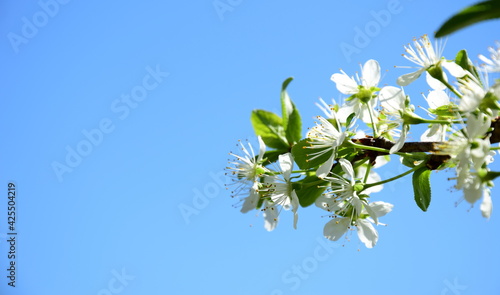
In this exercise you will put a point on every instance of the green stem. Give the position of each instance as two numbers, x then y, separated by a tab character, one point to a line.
376	149
360	163
367	147
395	177
367	173
452	89
279	172
441	121
299	171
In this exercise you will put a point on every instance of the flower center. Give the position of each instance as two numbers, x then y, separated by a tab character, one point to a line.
259	170
364	95
358	187
474	145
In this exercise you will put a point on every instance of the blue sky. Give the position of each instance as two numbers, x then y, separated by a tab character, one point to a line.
118	115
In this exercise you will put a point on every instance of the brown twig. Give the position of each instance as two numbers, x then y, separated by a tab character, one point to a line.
433	163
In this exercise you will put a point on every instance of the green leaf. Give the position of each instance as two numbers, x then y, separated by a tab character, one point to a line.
285	101
302	155
462	59
310	188
294	127
422	187
490	176
413	160
348	120
269	126
291	117
473	14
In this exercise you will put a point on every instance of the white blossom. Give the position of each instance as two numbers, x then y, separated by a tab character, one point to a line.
425	55
350	209
278	191
363	223
436	132
325	137
360	90
245	171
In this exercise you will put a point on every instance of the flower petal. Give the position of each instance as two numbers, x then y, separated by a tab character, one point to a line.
286	165
371	73
437	132
378	209
262	149
327	203
252	200
367	233
356	203
295	204
401	140
336	228
347	167
486	206
392	99
325	168
347	109
477	126
406	79
344	83
454	69
473	190
270	217
435	83
468	103
437	98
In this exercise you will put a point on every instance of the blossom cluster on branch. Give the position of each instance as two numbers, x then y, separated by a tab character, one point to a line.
333	166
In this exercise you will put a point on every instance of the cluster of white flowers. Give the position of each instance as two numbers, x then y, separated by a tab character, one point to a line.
336	161
262	187
477	107
350	207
